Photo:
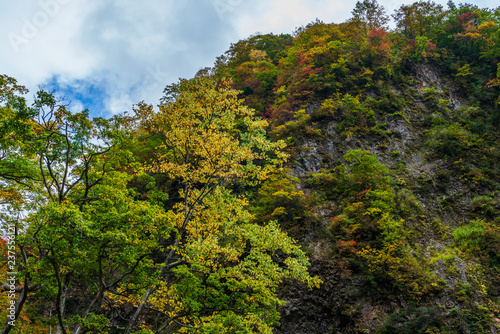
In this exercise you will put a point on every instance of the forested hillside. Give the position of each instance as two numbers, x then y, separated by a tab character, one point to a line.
344	178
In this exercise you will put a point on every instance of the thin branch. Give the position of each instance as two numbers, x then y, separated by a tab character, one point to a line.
6	287
44	179
128	272
66	167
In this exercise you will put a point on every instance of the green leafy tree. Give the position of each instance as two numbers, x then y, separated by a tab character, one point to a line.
83	233
418	18
219	272
370	14
278	198
16	169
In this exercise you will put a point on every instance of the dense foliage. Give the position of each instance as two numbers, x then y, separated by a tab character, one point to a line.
375	149
409	214
130	223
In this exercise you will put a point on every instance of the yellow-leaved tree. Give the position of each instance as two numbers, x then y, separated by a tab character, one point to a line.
219	271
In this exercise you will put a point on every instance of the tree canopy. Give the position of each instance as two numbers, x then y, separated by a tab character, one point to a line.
179	244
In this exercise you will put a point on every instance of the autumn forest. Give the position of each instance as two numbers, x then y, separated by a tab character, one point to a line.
343	178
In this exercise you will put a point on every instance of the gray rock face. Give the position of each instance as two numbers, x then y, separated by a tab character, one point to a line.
340	304
313	156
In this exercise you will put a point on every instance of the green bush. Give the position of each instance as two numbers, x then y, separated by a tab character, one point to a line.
413	320
481	240
469	235
407	203
484	205
451	141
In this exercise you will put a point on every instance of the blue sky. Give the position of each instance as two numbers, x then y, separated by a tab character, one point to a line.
106	55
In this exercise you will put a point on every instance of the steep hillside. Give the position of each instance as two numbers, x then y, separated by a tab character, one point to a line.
394	165
445	203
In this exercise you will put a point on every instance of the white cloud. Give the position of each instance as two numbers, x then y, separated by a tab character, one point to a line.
131	49
119	103
76	106
39	40
283	16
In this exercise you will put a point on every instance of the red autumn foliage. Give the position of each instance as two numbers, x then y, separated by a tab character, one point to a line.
347	247
302	60
377	33
465	18
308	70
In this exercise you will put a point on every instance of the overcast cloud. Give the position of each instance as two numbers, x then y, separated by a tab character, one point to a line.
106	55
